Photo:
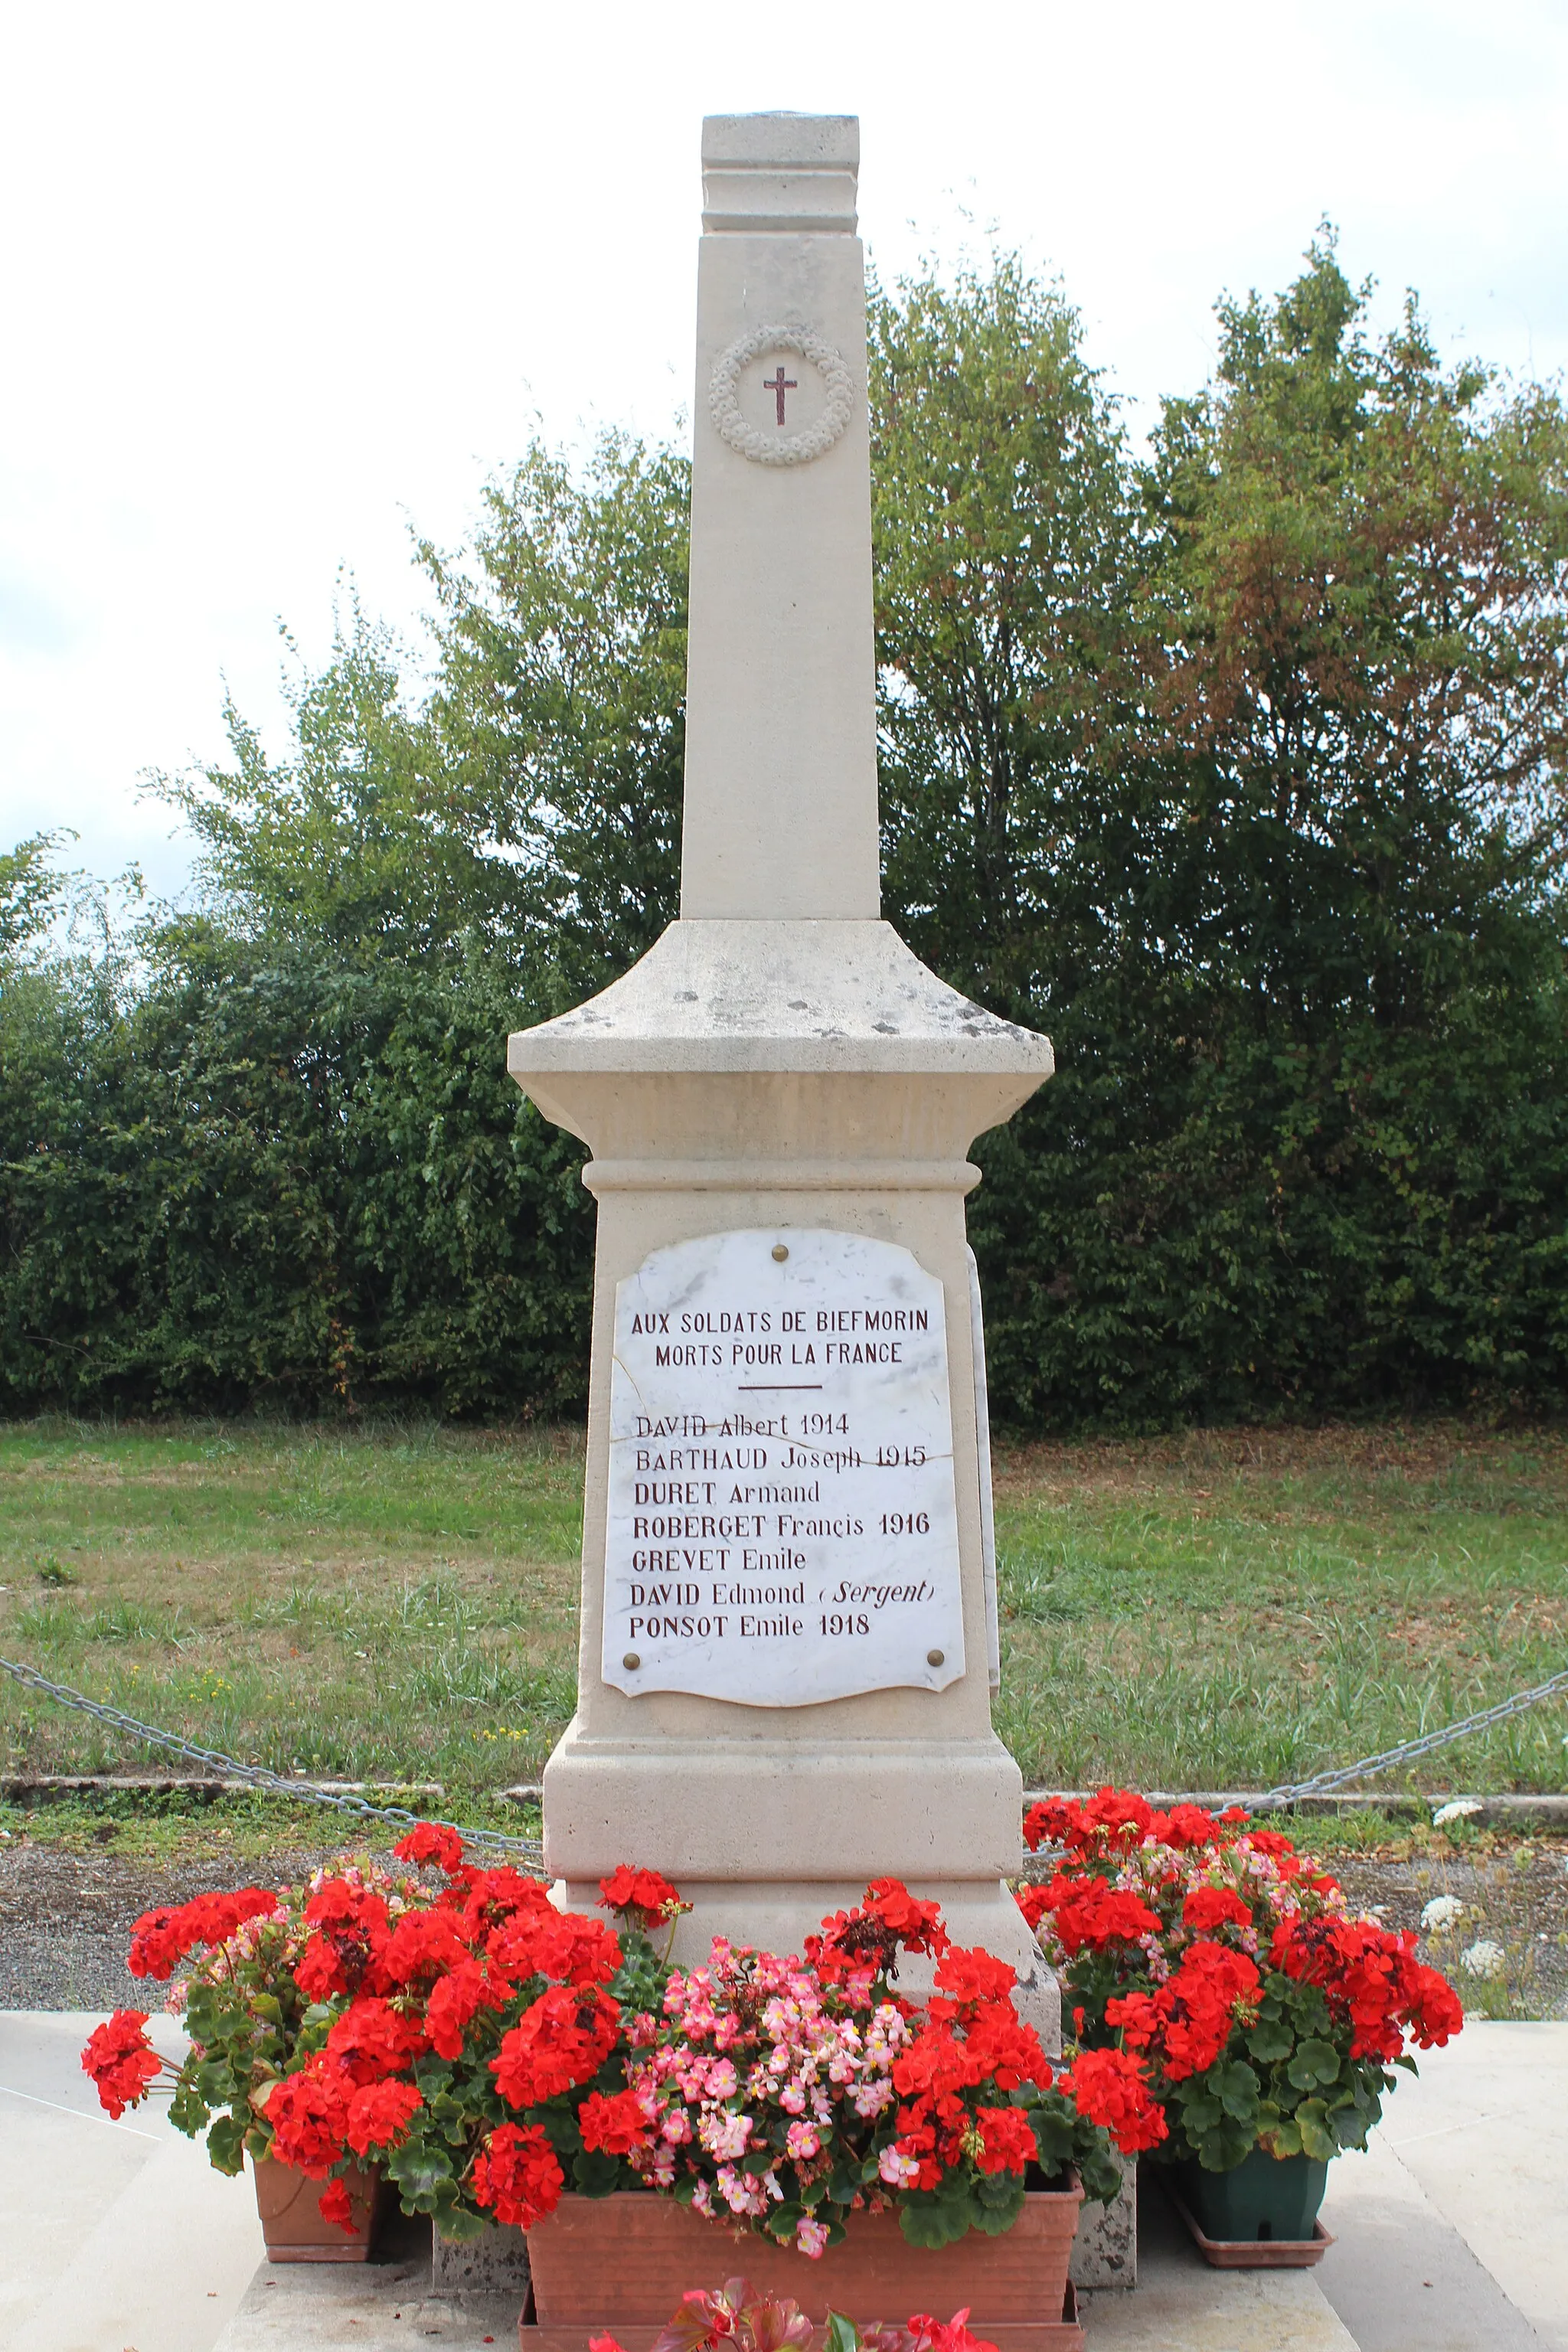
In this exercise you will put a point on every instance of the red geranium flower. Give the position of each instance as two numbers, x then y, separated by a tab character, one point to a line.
969	1976
1208	1907
336	2208
489	1896
121	2061
516	2176
1088	1911
349	1924
562	2040
616	2125
644	1892
431	1842
946	2335
1191	2015
1108	2086
1006	2141
560	1944
917	1925
161	1938
372	2039
1187	1826
308	2116
1034	1902
379	2116
458	1995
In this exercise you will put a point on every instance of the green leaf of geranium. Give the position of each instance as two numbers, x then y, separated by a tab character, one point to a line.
225	2146
1315	2062
460	2226
1235	2087
937	2217
1316	2139
594	2173
188	2111
996	2202
420	2171
1270	2039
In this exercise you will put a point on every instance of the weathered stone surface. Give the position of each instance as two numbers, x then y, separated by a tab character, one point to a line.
1105	2251
492	2265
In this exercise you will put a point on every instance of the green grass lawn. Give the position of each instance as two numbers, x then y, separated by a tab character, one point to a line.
1226	1609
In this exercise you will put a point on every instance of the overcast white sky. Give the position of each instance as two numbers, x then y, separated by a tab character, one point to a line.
280	281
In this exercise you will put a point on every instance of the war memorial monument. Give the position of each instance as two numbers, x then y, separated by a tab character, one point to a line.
789	1618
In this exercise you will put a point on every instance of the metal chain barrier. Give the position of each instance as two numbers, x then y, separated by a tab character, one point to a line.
1322	1782
258	1776
531	1849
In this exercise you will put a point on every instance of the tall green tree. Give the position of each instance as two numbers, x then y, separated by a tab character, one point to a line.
1306	1144
1006	539
559	703
31	890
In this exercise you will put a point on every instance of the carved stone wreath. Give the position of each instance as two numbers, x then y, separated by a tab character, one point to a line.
781	448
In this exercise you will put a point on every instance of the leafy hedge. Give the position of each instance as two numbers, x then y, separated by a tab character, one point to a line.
1238	767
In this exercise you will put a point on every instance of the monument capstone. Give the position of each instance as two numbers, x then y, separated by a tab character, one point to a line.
788	1625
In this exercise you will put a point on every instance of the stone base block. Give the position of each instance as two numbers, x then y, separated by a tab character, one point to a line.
493	2264
1105	2251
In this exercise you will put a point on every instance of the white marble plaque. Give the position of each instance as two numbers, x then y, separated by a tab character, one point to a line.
782	1521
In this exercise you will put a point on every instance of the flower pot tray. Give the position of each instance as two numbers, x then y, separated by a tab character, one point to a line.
1063	2335
1250	2254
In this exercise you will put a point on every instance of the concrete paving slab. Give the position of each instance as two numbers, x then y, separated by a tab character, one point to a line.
114	2237
59	2171
1180	2305
363	2307
1484	2132
1400	2277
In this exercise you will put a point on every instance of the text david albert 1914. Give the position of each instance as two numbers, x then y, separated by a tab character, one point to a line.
781	1520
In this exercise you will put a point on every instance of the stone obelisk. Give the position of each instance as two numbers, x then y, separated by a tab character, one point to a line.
787	1611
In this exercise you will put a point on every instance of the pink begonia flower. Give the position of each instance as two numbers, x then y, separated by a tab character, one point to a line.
811	2237
722	2080
725	2135
897	2168
802	2140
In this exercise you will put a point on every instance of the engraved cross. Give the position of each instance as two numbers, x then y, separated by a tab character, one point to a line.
778	383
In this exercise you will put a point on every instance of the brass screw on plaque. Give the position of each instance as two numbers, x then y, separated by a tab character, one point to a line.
780	1251
933	1657
631	1661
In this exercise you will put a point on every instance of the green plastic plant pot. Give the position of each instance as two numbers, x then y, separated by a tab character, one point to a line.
1263	2197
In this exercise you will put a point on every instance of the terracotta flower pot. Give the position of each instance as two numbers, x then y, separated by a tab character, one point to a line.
291	2223
623	2264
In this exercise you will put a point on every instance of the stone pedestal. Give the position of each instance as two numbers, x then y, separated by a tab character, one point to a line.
780	1063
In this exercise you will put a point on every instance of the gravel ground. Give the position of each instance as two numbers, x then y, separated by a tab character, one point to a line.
65	1918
